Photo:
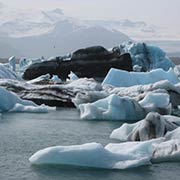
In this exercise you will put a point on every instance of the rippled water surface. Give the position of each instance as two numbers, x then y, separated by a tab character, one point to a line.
23	134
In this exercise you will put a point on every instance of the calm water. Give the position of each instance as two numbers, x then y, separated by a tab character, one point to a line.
23	134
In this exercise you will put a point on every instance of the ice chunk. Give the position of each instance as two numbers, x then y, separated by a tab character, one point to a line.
56	79
175	134
6	73
113	156
12	63
31	109
120	78
167	151
157	102
147	56
88	97
112	108
11	102
40	79
90	155
153	126
72	76
24	63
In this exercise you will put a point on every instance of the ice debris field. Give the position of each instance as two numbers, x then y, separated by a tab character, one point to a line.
147	102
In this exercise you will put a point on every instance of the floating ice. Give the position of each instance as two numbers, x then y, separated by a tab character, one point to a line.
112	108
113	156
139	91
32	109
40	79
153	126
175	134
147	56
24	63
93	155
72	76
56	79
167	151
12	63
156	102
120	78
11	102
6	73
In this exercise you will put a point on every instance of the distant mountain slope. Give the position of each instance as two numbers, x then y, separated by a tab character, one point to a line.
136	30
51	33
54	44
34	33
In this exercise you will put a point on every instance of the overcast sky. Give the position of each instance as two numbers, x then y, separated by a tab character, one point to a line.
158	12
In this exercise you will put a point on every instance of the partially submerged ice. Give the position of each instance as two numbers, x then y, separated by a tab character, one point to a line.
115	107
156	102
153	126
146	56
10	102
12	63
6	73
120	78
113	156
91	155
112	107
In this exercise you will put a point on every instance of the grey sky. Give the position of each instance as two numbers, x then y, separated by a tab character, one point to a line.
158	12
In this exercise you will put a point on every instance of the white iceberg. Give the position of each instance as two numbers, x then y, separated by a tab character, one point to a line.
40	79
12	63
24	63
146	56
12	103
175	134
115	107
113	156
72	76
94	155
120	78
112	108
153	126
139	91
6	73
56	79
167	151
156	102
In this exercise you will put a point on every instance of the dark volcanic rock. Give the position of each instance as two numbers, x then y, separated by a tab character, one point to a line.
92	62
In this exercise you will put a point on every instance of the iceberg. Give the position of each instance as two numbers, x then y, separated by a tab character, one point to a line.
156	102
12	63
112	107
120	78
56	79
146	56
153	126
92	155
72	76
167	151
40	79
24	63
115	107
6	73
175	134
12	103
112	156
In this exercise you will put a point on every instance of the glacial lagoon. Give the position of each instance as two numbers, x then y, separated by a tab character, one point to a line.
22	134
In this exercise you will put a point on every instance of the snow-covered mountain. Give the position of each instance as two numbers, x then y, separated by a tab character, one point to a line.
138	30
51	33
